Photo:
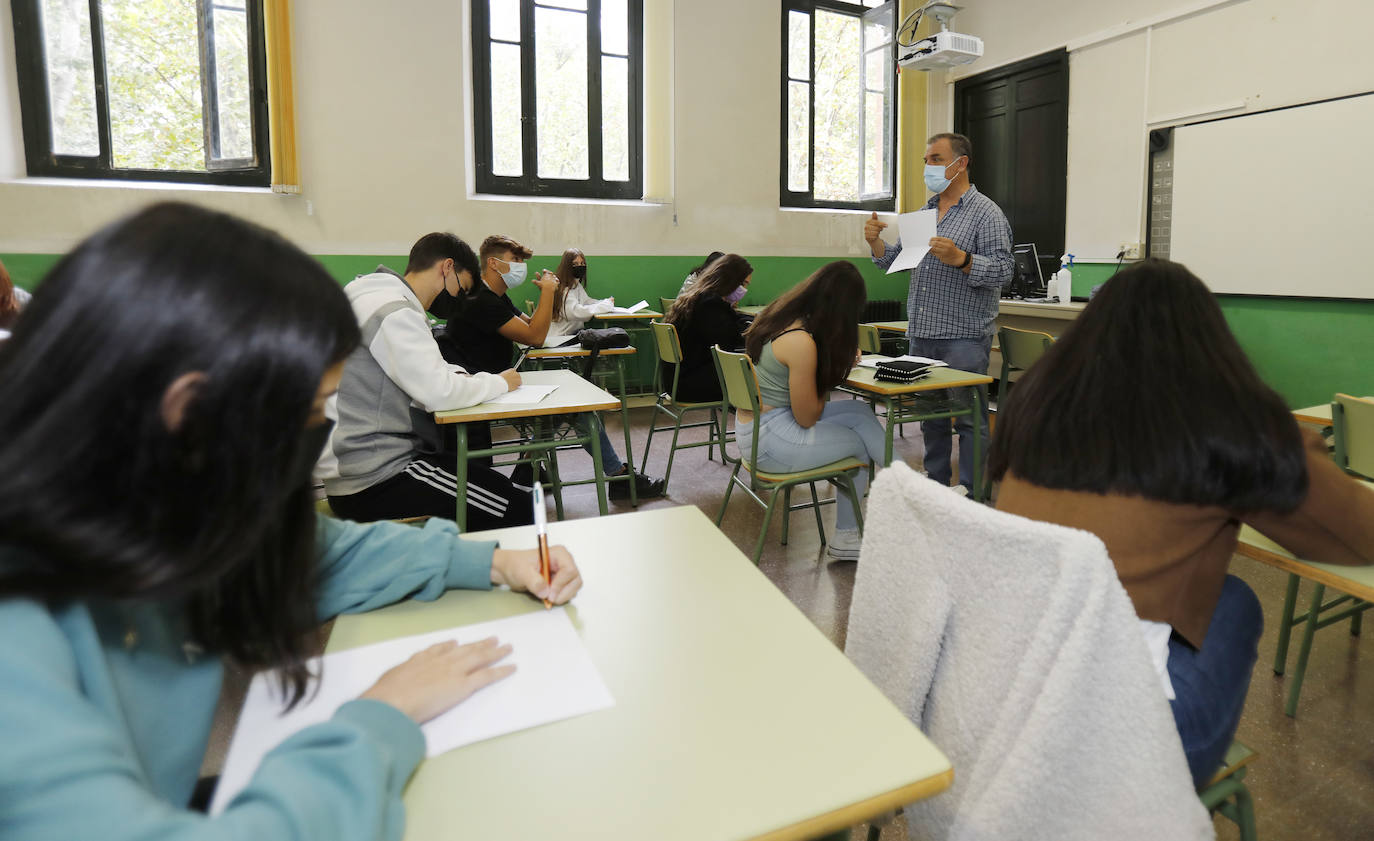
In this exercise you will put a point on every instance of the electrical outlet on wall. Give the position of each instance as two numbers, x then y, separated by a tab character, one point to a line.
1130	250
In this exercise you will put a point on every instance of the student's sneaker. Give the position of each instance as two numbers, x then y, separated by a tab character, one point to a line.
524	477
961	490
844	545
645	487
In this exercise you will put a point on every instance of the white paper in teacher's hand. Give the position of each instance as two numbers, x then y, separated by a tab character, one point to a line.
915	229
554	679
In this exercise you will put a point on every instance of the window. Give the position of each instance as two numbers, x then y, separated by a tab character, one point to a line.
839	113
165	90
557	97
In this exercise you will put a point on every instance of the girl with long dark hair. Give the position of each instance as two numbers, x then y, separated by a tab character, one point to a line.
704	317
163	406
803	345
1146	425
572	306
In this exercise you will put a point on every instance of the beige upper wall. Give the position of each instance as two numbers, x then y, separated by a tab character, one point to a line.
383	99
1140	64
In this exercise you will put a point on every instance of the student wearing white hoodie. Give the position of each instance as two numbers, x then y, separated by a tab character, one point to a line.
383	460
572	306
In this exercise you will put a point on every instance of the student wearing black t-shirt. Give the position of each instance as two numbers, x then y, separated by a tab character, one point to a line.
484	326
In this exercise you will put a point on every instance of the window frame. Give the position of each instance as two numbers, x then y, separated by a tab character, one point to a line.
36	116
595	186
807	199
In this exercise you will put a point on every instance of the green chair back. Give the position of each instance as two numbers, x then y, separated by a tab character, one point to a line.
666	341
1352	422
1020	350
739	383
665	304
869	341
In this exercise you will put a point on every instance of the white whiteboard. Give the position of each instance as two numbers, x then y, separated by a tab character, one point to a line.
1279	203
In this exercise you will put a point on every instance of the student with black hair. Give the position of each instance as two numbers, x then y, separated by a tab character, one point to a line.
692	276
803	345
386	460
705	317
1146	425
163	406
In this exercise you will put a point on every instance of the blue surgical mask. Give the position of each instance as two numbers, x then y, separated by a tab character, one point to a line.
515	275
735	297
936	182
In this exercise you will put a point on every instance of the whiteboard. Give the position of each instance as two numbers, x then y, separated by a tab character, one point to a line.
1280	202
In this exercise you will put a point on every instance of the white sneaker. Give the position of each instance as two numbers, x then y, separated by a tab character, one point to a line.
844	545
959	490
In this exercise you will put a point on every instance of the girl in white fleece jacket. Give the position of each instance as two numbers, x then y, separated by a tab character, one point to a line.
572	306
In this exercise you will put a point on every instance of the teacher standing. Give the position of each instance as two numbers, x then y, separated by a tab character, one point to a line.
951	307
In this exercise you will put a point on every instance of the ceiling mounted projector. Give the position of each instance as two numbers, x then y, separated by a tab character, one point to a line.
942	49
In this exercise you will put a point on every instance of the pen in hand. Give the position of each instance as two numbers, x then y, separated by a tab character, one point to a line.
541	528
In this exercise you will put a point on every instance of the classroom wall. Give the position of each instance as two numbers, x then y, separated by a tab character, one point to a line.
1141	64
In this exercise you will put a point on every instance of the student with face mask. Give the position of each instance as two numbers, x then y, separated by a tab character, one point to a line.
572	306
705	316
156	519
484	325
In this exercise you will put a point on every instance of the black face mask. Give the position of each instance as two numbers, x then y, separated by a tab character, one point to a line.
311	448
579	272
446	306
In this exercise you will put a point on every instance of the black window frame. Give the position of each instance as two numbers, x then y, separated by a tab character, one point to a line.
36	118
807	199
595	186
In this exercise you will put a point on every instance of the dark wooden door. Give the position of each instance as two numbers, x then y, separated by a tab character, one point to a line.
1018	119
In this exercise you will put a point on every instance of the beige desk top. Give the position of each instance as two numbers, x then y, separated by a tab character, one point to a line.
1320	415
890	326
863	379
576	350
734	719
573	394
752	309
1065	312
629	316
1358	581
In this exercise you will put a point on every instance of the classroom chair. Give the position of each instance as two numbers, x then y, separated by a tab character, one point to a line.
1352	423
1020	350
322	507
740	386
670	351
869	340
1226	793
665	304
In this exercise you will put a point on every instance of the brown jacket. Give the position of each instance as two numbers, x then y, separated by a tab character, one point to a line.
1172	558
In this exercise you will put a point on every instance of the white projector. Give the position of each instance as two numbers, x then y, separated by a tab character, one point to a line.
943	49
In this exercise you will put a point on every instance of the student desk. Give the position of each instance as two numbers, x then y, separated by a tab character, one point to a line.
542	356
574	395
734	718
641	337
901	410
752	309
1318	415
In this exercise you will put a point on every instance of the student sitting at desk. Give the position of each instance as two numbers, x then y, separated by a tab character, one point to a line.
692	276
705	317
157	518
386	461
572	306
803	345
483	327
1146	425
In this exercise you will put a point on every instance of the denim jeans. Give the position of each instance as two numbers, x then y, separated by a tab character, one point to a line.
610	459
1210	683
846	428
966	355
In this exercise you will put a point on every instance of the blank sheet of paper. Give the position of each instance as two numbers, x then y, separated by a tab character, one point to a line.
915	229
525	394
554	679
630	310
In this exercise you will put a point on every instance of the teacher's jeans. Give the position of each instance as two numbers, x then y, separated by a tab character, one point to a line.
965	355
846	428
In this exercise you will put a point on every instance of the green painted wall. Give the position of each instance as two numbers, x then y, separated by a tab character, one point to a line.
1306	348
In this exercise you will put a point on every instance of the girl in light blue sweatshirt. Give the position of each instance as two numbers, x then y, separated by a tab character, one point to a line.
162	407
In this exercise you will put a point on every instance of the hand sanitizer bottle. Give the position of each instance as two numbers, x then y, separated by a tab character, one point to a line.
1064	288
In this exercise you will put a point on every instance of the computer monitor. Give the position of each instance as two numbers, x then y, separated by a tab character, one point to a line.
1027	281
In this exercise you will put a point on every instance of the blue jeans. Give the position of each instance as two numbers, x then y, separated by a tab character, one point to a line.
1210	683
846	428
610	460
966	355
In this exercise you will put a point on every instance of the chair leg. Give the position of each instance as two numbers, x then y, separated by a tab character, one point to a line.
854	495
767	520
786	511
875	832
1290	600
649	442
1309	631
672	448
729	489
1245	815
1355	624
711	436
816	509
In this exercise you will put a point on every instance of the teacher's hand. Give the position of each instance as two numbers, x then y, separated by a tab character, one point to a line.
435	680
873	230
946	251
518	569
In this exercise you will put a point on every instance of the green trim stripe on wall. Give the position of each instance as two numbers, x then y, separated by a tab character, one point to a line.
1307	349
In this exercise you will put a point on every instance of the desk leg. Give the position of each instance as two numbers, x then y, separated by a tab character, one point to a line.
977	492
599	473
625	424
460	474
887	434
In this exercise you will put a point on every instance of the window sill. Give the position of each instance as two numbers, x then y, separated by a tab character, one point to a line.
119	184
566	200
842	211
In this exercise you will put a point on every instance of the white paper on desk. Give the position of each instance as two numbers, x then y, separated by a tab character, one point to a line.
872	360
555	679
630	310
524	394
915	229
